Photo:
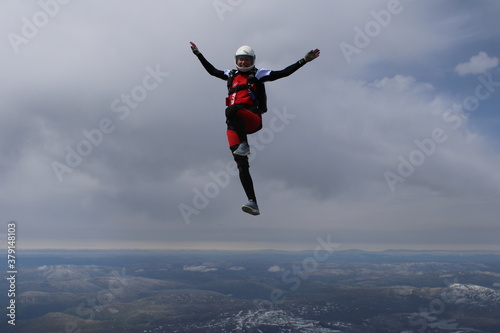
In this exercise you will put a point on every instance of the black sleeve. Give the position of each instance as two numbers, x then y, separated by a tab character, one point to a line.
210	68
275	75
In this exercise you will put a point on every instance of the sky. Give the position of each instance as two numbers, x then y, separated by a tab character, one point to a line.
112	134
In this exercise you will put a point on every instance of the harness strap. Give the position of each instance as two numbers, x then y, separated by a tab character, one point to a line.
237	88
260	98
230	79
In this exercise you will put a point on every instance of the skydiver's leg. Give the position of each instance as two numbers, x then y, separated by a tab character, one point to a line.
247	182
244	173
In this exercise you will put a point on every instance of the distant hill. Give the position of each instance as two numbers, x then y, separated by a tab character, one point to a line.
220	291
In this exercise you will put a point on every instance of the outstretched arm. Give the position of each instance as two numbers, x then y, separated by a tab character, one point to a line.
274	75
208	66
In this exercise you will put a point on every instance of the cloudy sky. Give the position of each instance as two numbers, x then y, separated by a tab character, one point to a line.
112	135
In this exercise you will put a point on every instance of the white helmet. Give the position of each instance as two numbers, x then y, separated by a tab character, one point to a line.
245	50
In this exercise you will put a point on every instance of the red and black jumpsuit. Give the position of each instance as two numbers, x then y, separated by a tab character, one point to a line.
243	115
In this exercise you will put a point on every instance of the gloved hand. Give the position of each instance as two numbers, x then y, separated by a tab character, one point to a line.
311	55
194	48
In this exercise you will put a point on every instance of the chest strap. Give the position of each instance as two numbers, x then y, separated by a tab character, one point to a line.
238	88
